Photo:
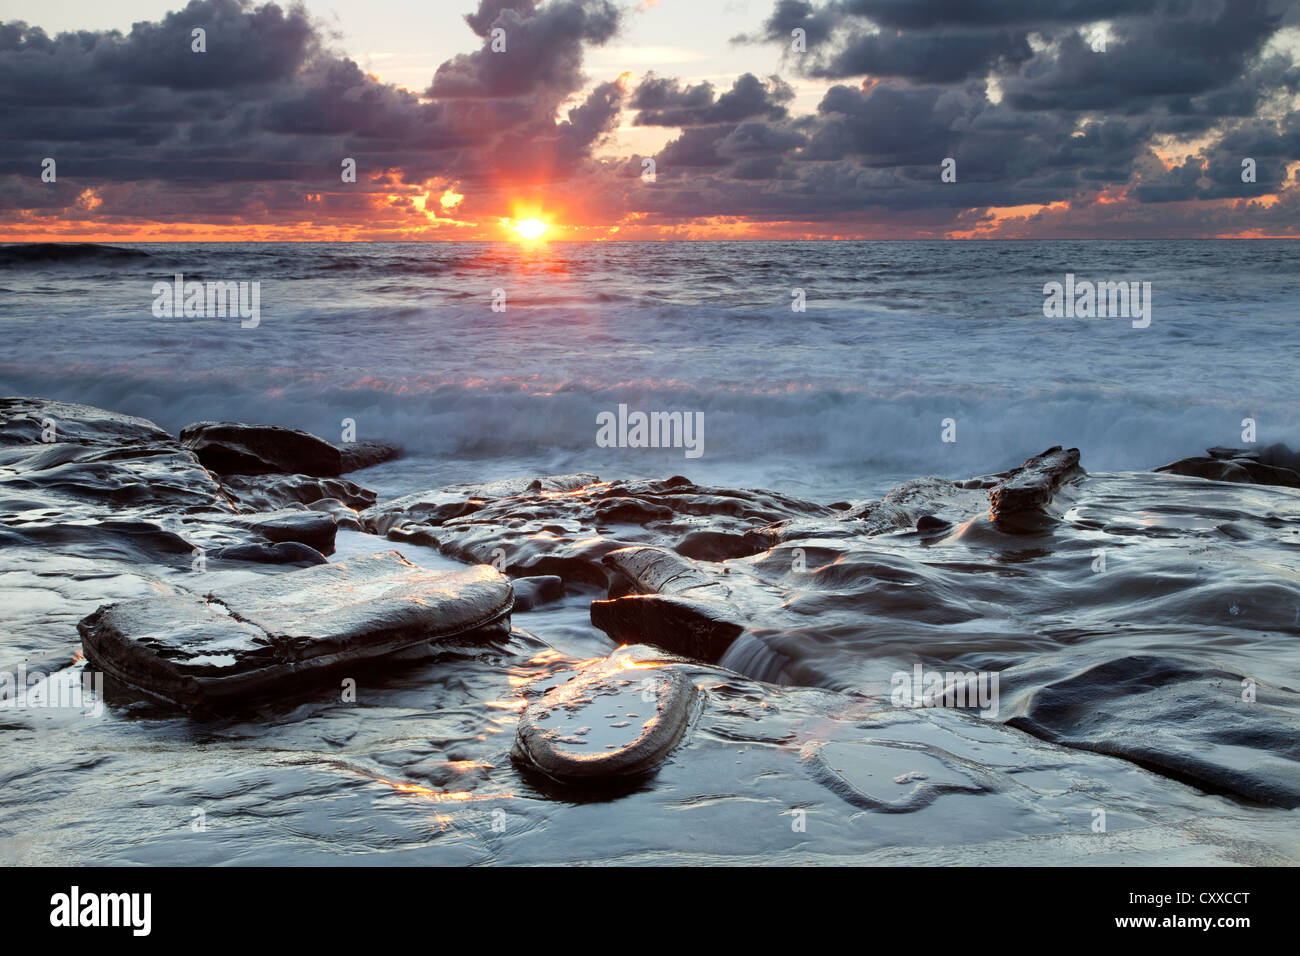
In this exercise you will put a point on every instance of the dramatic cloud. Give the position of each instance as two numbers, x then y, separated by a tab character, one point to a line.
255	129
541	49
664	102
1079	117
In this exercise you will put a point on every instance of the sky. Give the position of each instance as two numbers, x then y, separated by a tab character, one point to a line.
649	119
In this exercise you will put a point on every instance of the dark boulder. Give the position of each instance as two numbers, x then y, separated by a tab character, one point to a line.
932	524
286	552
1241	470
670	602
312	528
364	454
535	591
231	448
1020	502
1280	456
1220	451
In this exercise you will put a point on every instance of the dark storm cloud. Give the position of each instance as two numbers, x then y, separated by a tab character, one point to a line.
663	102
697	146
934	57
543	49
1218	175
270	103
760	139
255	47
543	148
924	14
1073	110
934	41
1159	48
485	17
1188	50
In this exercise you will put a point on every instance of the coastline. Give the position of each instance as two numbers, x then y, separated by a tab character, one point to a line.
789	617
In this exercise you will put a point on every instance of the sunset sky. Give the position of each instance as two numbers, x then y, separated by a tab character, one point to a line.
1069	119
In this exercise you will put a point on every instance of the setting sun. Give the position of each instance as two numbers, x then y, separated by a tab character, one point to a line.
530	228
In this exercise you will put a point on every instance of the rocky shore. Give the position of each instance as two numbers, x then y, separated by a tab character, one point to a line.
1143	626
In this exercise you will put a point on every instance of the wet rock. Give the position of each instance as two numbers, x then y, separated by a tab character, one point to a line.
236	644
888	785
1185	719
716	545
1219	451
124	538
106	487
932	524
1241	470
650	570
670	602
533	592
908	503
35	421
698	629
900	510
565	525
631	511
344	517
232	448
1019	503
312	528
437	505
286	552
616	718
364	454
271	492
1279	455
96	459
415	534
889	776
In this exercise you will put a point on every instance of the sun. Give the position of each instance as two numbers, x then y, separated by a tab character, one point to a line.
530	228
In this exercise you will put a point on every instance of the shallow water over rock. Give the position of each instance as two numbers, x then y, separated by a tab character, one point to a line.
1144	643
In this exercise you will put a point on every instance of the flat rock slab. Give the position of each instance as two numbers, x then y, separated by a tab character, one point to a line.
1200	724
239	643
619	717
892	776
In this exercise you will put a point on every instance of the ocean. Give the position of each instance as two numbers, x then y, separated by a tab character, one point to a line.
840	400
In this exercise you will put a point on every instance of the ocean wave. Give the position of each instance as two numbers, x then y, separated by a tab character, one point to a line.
57	253
797	435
